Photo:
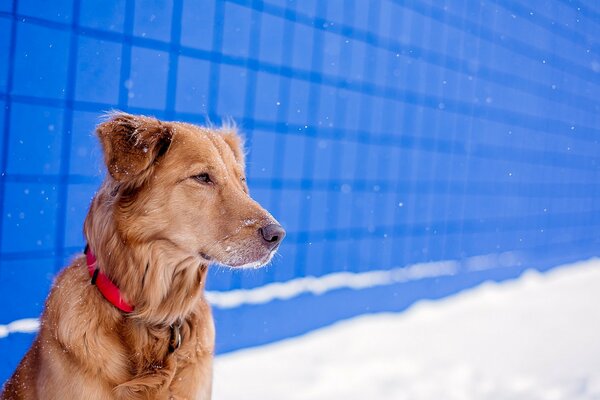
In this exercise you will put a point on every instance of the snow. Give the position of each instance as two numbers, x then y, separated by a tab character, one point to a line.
533	338
339	280
27	325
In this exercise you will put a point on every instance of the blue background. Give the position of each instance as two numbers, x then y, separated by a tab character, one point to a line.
381	134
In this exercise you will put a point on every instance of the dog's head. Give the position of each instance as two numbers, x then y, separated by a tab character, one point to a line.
185	184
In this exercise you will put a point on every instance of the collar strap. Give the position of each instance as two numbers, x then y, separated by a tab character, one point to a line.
109	290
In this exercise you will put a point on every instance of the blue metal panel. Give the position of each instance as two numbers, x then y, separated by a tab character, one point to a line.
148	66
28	219
98	69
152	19
59	11
107	15
40	57
192	86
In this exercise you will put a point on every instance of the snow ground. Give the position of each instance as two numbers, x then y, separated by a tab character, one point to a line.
533	338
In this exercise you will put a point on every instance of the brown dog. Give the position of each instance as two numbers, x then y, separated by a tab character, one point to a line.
175	199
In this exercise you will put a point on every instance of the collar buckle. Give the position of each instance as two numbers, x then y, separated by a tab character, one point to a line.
175	340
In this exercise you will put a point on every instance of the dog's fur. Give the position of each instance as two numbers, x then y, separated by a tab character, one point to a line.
154	225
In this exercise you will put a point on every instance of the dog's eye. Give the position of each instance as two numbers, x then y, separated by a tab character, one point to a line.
243	179
203	178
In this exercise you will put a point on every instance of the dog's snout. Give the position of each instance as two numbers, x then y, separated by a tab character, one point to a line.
272	234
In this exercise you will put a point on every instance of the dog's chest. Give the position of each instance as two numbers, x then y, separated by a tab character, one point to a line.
150	348
160	369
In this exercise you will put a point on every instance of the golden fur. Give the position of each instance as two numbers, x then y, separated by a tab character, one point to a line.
175	198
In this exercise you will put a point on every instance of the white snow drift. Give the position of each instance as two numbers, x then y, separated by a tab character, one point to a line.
533	338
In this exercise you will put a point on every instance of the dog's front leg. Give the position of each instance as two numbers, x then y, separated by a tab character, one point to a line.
193	381
149	385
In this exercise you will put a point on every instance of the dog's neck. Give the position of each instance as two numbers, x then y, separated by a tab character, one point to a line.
161	281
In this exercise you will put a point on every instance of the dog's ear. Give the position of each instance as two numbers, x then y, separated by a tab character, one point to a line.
236	142
132	143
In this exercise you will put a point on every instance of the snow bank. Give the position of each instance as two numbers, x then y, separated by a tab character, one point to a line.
534	338
329	282
27	325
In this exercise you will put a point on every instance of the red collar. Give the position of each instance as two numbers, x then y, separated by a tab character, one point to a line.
109	290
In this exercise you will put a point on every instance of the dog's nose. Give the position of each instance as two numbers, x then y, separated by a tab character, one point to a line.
272	234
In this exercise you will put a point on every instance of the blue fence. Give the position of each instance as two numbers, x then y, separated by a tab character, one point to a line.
382	134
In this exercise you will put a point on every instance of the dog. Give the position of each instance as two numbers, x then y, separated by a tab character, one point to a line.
128	319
